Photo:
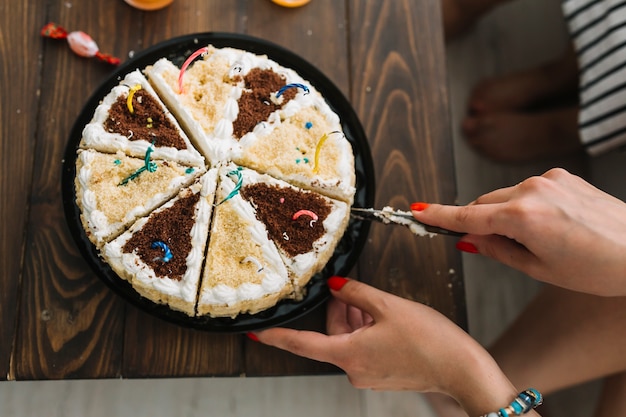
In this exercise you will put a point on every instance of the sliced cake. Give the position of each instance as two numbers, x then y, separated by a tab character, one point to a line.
307	149
305	226
113	190
131	118
244	272
206	106
161	255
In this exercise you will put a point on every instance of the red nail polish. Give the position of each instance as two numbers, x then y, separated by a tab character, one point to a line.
336	283
466	247
252	336
419	206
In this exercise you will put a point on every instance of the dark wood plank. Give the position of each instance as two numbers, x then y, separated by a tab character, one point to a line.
70	324
399	91
19	82
154	348
262	360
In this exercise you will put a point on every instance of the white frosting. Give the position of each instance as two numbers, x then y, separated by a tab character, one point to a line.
387	215
274	273
302	263
95	136
99	224
185	288
219	146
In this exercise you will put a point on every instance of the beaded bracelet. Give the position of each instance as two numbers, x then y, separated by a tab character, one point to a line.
523	403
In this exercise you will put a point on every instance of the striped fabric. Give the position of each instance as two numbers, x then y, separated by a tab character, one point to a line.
598	31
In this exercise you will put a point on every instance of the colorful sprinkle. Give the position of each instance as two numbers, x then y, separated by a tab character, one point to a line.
299	213
117	162
193	56
254	261
129	99
130	134
237	186
189	170
285	236
282	200
150	121
308	125
295	85
167	253
316	166
148	166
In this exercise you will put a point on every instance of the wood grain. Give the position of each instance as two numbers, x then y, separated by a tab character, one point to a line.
18	105
70	323
396	74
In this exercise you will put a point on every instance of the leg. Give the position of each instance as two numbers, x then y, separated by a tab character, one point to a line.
515	137
459	15
513	118
525	89
564	338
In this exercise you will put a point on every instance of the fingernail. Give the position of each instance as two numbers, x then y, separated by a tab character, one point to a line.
419	206
336	283
252	336
466	247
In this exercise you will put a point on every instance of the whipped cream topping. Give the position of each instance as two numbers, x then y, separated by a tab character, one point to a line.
274	274
95	135
185	288
333	225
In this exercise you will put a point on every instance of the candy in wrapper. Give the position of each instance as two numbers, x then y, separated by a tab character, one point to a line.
79	42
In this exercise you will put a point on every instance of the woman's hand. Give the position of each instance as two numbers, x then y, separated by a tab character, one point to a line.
386	342
556	228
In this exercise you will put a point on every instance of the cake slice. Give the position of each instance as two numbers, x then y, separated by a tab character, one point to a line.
207	105
223	96
305	226
131	118
113	190
307	149
161	255
244	272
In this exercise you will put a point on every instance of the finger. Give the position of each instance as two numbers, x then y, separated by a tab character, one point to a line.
506	251
312	345
501	195
364	297
479	219
336	317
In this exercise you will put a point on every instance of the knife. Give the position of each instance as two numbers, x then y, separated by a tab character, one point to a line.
404	218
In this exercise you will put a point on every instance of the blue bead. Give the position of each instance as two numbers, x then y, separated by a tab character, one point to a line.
517	407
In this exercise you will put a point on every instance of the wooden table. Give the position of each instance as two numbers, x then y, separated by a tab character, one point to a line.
59	321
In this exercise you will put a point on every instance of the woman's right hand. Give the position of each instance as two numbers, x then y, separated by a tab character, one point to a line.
556	228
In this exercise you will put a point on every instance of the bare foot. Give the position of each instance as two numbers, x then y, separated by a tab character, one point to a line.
526	89
460	15
523	137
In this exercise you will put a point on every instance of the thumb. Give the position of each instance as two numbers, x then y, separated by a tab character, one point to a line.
359	295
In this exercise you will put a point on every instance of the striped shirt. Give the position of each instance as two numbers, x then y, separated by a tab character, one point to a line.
598	32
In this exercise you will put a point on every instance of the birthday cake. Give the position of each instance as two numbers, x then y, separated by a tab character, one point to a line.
217	188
